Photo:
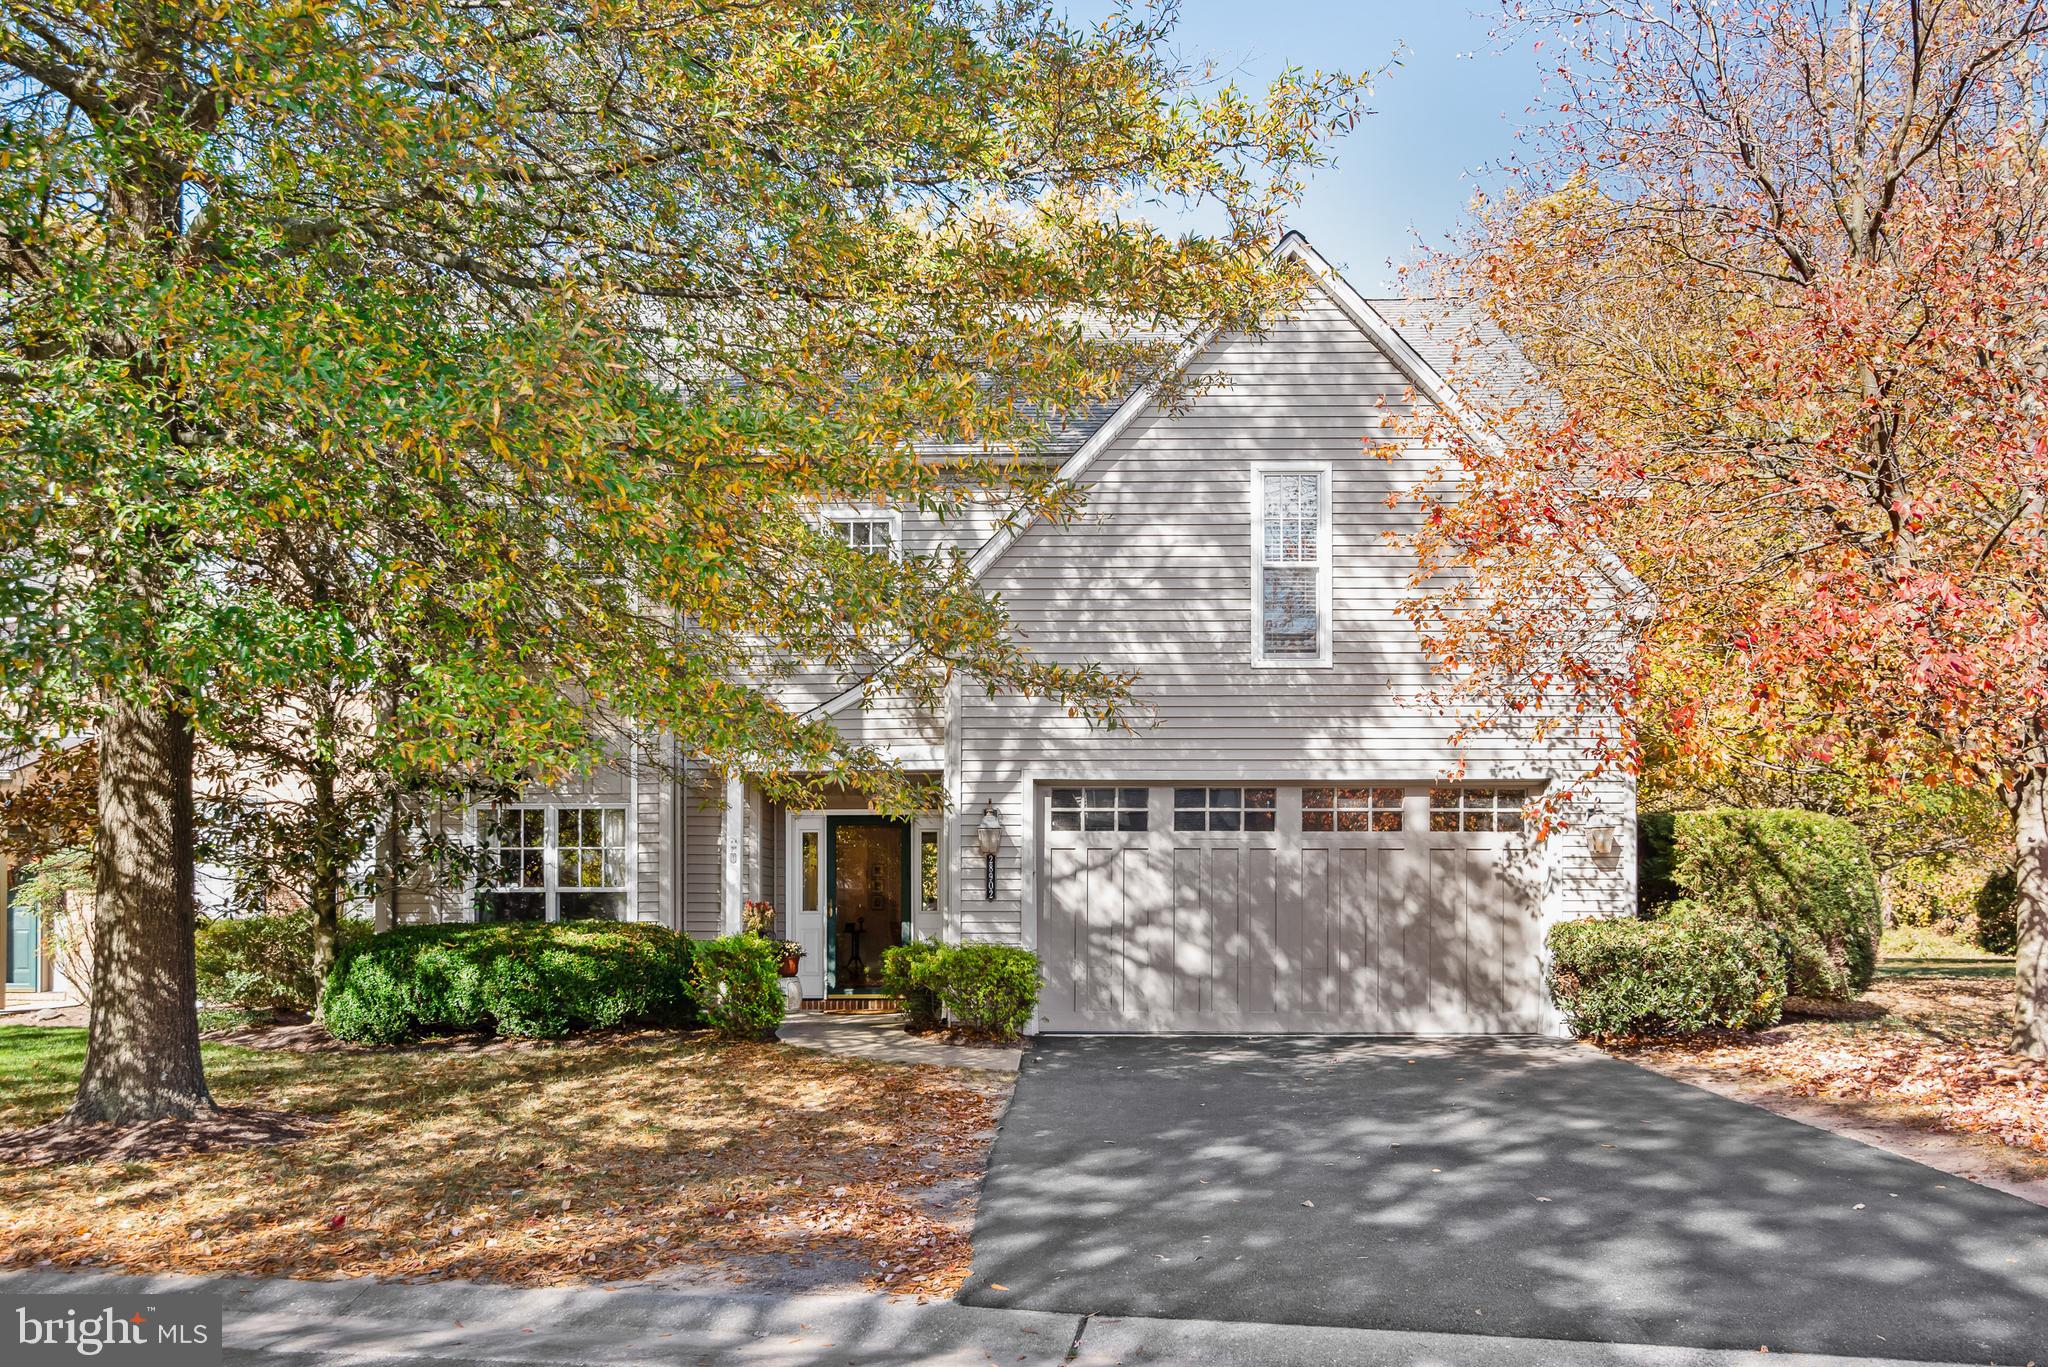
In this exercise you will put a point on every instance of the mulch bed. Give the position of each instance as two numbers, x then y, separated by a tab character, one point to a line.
1930	1050
229	1127
298	1035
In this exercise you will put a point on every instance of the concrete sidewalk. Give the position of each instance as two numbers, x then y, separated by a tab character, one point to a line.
462	1324
880	1036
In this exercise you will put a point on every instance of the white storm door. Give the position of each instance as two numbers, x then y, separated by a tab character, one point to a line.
807	898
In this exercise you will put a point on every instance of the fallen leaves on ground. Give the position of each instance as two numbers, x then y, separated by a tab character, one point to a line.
1935	1052
231	1127
638	1156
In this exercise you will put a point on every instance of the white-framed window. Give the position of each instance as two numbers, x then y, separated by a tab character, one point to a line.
1291	565
553	863
1476	807
877	531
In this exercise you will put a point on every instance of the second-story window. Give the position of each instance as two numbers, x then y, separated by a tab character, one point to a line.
875	533
1291	565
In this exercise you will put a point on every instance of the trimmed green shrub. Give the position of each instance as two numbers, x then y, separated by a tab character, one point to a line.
737	980
1998	914
909	975
1805	875
989	989
265	962
1689	970
538	979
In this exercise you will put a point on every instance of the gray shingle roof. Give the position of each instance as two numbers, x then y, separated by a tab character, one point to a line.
1454	337
1467	348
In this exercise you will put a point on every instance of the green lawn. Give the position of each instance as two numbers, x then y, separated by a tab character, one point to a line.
38	1069
1981	966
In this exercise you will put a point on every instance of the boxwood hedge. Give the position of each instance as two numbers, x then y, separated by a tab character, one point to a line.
1689	970
737	982
264	962
909	974
534	979
989	989
1806	876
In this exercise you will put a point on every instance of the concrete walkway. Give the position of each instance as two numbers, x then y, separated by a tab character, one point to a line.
879	1035
461	1324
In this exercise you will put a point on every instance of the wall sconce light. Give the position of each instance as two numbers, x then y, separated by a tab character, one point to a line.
988	838
1603	842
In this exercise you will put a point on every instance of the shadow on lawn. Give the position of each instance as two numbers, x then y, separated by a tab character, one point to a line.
533	1167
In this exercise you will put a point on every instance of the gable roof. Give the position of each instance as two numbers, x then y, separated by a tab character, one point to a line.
1444	332
1460	341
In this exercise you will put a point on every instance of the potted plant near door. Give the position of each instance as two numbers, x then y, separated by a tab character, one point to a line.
758	918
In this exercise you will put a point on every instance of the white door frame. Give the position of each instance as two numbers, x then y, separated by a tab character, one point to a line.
807	924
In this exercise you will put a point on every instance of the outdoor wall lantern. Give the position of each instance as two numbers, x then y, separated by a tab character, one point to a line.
988	838
1603	842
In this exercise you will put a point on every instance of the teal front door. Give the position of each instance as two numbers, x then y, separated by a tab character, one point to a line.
867	878
24	949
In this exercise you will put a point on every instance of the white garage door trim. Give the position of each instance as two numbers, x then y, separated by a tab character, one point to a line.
1434	932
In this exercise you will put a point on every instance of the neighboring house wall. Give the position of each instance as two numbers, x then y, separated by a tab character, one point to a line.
1156	576
44	973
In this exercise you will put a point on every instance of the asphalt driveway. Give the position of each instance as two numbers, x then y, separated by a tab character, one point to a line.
1507	1187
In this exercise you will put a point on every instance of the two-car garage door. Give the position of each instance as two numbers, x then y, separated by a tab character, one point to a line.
1371	910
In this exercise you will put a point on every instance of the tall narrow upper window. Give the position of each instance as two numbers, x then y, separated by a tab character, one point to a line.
1291	565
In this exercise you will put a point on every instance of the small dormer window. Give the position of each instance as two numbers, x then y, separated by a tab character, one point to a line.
873	532
1291	565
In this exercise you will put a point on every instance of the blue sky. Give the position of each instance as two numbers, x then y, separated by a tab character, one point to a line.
1443	117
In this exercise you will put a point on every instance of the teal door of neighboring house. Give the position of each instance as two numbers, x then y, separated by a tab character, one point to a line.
24	949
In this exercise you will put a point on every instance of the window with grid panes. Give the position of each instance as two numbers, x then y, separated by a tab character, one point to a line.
875	535
516	868
1099	809
548	864
1292	569
590	863
1351	809
1476	807
1223	809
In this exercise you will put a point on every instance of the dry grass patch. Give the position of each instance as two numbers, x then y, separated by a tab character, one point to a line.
1926	1049
649	1154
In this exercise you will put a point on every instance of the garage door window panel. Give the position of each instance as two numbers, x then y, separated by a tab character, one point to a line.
1224	809
1099	809
1351	809
1476	809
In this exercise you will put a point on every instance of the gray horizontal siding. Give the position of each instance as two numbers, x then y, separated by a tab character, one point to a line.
701	819
1156	576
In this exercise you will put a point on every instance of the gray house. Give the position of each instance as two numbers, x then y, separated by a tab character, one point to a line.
1281	851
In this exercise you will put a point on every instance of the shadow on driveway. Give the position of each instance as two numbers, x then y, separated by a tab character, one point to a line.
1498	1186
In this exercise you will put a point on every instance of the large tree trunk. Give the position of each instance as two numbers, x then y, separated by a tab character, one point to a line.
2030	825
142	1055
